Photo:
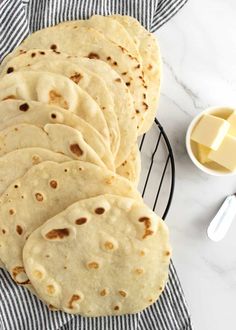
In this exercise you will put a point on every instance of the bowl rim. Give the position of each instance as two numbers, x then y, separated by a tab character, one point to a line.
191	126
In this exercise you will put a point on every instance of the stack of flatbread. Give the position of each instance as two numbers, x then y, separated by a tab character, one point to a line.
73	227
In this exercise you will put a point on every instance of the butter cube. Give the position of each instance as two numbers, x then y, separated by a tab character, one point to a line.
203	153
232	122
226	154
210	131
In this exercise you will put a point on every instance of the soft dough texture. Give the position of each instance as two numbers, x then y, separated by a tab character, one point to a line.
51	88
107	255
88	42
55	137
16	163
122	99
45	190
36	113
87	80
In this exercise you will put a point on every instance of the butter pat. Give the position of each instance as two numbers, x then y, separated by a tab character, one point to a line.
226	154
203	153
232	122
210	131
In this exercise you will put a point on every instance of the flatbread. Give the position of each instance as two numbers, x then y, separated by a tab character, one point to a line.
149	51
90	43
45	190
78	263
54	137
16	163
111	29
122	99
51	88
131	167
18	111
88	81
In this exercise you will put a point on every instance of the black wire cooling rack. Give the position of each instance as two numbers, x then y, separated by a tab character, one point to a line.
158	170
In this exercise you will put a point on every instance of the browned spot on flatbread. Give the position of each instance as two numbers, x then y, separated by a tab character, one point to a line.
10	69
33	54
122	293
93	56
149	67
53	184
124	73
9	97
118	79
145	106
93	265
12	211
104	292
116	308
19	230
58	233
75	148
3	231
39	197
16	271
108	245
24	107
99	210
76	77
56	98
53	47
147	224
42	53
128	84
80	221
36	159
74	298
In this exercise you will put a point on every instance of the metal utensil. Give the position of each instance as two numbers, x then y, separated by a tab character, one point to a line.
223	219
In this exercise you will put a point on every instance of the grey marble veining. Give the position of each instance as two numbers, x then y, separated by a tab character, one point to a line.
199	70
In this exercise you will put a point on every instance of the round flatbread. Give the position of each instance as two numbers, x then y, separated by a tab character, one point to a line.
45	190
149	51
54	137
88	42
131	167
39	114
78	263
51	88
122	99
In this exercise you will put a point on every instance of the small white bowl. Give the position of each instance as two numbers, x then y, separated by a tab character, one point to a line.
223	112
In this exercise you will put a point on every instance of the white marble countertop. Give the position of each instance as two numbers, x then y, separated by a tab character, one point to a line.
199	54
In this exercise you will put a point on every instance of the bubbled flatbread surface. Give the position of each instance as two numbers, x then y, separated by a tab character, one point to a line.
149	51
39	114
51	88
45	190
122	99
16	163
55	137
107	255
88	42
88	81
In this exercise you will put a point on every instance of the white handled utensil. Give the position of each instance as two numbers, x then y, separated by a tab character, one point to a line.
223	219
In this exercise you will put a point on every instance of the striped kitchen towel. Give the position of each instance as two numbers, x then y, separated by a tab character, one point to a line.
19	309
